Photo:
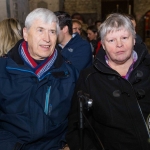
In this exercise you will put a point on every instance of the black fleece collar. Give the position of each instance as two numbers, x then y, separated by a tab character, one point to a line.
100	62
140	48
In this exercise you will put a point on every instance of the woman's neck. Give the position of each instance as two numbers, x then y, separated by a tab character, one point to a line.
123	68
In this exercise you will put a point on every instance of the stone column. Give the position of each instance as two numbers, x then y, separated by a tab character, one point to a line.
140	9
3	9
98	9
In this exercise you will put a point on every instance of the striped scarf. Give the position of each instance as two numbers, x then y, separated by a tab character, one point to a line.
38	69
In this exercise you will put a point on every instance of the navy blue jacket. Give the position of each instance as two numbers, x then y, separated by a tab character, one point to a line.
78	52
34	112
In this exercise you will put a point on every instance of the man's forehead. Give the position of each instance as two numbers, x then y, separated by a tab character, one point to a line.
43	24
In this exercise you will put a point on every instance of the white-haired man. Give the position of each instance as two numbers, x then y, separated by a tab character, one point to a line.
36	87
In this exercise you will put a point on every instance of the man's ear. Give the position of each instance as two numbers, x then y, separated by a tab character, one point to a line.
25	33
65	29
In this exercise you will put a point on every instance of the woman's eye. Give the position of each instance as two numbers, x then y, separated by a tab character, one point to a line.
110	41
124	37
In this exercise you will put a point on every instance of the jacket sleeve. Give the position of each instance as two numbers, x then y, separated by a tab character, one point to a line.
82	58
73	135
8	141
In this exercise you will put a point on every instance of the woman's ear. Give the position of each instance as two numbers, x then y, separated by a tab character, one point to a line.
103	45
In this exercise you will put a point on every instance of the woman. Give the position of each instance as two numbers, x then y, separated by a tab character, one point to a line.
93	37
10	33
78	28
118	82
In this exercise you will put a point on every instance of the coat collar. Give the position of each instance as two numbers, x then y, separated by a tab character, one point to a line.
101	65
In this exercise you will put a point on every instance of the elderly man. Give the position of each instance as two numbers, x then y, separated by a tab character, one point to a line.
36	87
119	85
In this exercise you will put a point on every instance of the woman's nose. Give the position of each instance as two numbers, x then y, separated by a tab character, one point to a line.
119	43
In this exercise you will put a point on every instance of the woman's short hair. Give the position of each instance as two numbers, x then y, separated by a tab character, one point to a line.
76	21
10	34
93	28
116	22
78	16
44	14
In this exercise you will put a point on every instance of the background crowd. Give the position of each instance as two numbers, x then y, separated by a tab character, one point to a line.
45	64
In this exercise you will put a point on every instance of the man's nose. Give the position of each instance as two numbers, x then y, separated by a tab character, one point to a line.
46	37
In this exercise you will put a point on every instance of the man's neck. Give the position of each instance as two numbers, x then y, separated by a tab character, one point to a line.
67	38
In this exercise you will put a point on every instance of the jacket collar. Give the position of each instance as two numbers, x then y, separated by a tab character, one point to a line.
14	54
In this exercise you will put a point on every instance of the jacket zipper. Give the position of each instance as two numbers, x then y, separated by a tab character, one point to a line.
48	106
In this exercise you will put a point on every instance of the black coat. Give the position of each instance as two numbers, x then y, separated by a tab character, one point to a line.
120	114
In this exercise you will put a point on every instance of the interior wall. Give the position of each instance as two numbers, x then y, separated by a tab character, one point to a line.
53	5
140	9
3	10
90	9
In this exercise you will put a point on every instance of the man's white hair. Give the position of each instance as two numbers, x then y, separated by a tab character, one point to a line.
43	14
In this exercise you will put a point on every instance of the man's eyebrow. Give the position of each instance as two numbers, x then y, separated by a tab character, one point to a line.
52	29
45	29
40	27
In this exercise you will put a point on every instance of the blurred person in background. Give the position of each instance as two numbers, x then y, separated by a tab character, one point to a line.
98	23
94	39
80	17
10	34
74	49
77	28
133	20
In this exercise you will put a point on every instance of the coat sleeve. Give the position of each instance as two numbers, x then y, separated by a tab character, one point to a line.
8	141
82	57
73	136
